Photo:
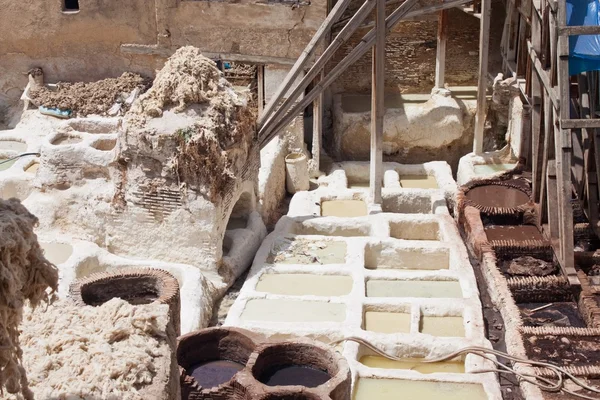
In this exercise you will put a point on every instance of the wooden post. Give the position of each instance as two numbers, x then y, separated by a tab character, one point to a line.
260	78
484	41
563	157
325	29
537	135
440	59
377	104
317	130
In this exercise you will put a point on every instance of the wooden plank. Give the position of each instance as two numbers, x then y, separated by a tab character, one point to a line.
579	30
553	228
536	112
543	75
363	12
260	77
521	47
563	150
484	41
547	155
580	123
334	15
377	104
166	52
440	59
317	131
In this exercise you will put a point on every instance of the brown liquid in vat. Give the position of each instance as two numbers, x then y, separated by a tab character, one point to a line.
497	196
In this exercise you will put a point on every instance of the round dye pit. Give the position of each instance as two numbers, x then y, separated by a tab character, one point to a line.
292	375
498	196
135	285
210	358
214	373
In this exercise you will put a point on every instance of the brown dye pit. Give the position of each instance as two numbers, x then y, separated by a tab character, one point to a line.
214	373
497	196
343	208
513	232
291	375
551	314
527	266
66	139
134	290
563	349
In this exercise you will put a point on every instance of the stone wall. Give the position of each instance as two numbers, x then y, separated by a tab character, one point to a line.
410	57
86	45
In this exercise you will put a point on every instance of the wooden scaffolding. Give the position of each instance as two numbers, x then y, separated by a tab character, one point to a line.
289	102
560	125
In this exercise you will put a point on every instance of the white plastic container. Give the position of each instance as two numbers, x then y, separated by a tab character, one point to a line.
296	172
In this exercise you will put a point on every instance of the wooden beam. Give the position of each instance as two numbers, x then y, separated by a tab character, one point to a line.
440	59
580	123
579	30
260	77
361	49
143	49
345	34
317	130
543	75
333	16
564	150
484	42
377	104
536	110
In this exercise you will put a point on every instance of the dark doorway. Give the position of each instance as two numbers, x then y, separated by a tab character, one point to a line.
71	5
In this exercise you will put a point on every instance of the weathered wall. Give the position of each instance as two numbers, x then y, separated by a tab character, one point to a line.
76	47
86	46
245	27
410	57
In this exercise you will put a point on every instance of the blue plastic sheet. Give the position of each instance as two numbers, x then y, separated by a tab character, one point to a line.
584	50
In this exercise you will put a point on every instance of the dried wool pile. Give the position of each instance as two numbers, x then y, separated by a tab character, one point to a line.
109	352
215	145
187	78
89	98
25	274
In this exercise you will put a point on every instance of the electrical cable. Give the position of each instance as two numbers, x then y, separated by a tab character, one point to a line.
543	383
19	156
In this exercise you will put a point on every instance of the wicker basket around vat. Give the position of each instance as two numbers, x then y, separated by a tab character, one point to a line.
256	354
134	285
512	185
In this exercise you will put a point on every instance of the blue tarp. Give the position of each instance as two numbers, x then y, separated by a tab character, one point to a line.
584	50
